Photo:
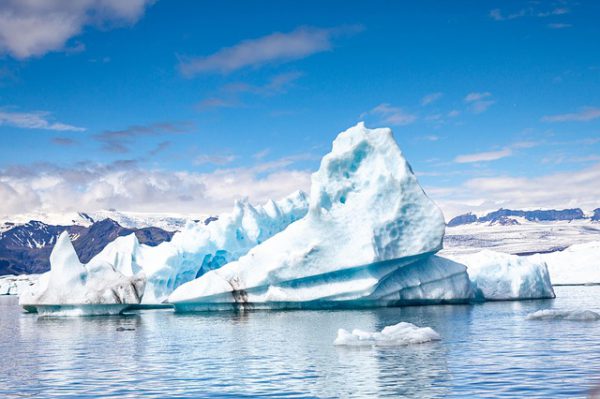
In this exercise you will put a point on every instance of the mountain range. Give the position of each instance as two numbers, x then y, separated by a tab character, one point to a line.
25	247
510	217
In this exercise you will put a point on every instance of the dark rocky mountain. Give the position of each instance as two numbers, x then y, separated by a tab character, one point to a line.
596	215
506	216
25	249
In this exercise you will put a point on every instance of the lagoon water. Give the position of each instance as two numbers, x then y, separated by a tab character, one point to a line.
487	350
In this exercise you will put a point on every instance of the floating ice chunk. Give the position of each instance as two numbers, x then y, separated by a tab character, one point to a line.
71	283
398	334
578	264
499	276
556	314
368	217
15	285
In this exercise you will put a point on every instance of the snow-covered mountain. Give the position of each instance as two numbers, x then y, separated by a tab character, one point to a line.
509	216
130	220
521	232
25	248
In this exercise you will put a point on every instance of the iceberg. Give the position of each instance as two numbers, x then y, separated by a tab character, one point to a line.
500	276
398	334
73	285
368	221
15	285
193	251
577	264
556	314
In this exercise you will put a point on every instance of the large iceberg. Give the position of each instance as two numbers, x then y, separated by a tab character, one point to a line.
500	276
368	222
191	252
71	284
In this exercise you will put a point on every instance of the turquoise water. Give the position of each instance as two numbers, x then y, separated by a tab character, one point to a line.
487	350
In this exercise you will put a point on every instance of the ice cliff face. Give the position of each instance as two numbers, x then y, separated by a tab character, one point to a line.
368	217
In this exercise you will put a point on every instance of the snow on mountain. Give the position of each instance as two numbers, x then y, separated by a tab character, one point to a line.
131	220
25	248
526	237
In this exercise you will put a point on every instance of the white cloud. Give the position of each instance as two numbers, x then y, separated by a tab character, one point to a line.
475	96
213	159
584	115
33	28
127	186
479	102
556	190
274	48
498	15
431	98
484	156
34	120
392	115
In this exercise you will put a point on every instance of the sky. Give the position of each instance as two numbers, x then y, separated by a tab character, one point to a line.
185	106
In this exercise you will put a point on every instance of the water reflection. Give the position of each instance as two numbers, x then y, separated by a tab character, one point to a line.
486	350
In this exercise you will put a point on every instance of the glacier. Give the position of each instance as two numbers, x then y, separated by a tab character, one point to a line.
577	264
402	333
73	285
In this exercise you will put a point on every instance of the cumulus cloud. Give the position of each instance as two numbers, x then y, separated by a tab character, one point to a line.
34	120
128	186
583	115
33	28
274	48
392	115
556	190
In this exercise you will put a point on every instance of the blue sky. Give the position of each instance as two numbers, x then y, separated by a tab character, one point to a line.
183	106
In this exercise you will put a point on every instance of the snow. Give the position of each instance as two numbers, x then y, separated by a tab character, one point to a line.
500	276
578	264
71	283
15	285
368	217
398	334
526	238
556	314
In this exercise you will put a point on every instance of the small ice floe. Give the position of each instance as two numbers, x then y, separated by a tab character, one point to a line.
556	314
398	334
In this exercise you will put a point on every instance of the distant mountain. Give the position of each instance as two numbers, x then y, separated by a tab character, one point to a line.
507	216
596	215
26	248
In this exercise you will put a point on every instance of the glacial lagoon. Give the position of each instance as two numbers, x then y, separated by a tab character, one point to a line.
486	350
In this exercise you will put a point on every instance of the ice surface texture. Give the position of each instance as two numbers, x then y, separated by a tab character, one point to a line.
578	264
500	276
398	334
368	218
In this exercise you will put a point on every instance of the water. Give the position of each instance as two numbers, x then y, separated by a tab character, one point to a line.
487	350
